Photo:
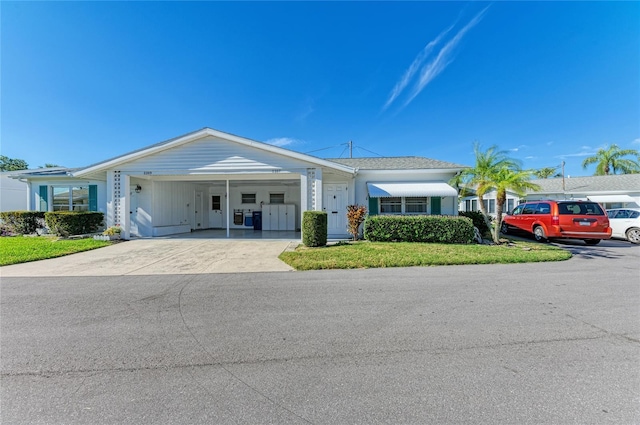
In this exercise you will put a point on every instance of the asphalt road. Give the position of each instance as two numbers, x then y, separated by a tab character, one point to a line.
555	343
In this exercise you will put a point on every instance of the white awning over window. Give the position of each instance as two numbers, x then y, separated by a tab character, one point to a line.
612	198
399	189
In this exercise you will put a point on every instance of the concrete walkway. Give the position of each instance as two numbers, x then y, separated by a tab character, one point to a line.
176	255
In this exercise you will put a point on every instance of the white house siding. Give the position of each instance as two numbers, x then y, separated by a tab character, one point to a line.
13	194
213	155
449	205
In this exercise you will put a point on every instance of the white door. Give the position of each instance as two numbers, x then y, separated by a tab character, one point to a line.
335	205
133	211
198	213
216	213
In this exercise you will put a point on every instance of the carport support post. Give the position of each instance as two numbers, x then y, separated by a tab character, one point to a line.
226	198
125	204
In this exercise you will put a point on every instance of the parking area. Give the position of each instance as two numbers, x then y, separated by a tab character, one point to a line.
191	253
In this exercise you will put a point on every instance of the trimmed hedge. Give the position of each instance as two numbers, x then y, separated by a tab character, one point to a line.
418	228
23	222
66	223
478	220
314	228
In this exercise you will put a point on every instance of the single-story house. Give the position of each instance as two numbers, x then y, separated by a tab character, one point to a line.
13	192
209	179
612	191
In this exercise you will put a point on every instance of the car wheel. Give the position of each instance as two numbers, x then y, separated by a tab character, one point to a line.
538	233
504	229
633	235
592	241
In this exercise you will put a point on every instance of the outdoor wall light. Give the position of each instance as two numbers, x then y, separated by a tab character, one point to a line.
138	188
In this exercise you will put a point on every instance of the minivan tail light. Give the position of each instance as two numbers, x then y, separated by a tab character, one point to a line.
555	220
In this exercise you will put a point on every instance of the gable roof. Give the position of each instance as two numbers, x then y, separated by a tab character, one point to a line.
397	163
199	134
610	183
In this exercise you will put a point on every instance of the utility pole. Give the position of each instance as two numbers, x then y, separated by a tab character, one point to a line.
350	149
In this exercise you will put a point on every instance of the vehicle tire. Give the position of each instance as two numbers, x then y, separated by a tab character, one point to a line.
538	233
504	229
592	241
633	235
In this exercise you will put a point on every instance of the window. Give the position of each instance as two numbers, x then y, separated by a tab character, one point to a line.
529	209
474	205
409	205
276	198
467	205
390	205
509	204
415	205
215	203
69	198
492	206
248	198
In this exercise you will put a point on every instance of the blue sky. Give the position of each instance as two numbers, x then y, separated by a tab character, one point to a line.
547	81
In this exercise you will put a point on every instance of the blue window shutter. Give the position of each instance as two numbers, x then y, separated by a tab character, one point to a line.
44	198
93	197
373	206
436	209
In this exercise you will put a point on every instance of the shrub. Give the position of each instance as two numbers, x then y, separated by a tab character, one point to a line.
314	228
478	220
65	223
419	228
356	215
22	222
112	231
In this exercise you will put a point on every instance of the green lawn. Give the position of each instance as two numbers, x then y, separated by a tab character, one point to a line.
402	254
20	249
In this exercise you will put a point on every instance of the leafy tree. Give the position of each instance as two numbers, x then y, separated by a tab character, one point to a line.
12	164
546	172
48	165
494	170
610	161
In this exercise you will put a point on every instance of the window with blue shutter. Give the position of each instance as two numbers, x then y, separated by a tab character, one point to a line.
93	197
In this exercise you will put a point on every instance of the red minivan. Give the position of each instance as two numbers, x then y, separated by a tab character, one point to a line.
559	219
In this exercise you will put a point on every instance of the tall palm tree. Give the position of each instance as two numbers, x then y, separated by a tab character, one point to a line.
494	170
610	161
546	172
513	180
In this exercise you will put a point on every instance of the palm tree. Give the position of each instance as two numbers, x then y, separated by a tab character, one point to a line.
610	161
494	170
546	172
513	180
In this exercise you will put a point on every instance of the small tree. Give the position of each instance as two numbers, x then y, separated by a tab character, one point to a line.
355	216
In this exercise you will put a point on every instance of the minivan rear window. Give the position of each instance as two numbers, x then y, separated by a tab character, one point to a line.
580	208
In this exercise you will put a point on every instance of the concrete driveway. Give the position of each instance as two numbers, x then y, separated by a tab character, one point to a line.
176	255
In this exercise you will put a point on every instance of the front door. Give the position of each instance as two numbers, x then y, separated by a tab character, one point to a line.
335	205
198	212
215	214
133	211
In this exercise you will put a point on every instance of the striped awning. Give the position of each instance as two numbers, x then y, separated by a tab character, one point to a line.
399	189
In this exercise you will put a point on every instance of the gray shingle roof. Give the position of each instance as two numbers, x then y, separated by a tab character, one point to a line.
612	183
396	163
43	172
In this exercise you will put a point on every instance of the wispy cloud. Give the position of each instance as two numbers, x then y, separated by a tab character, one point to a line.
438	64
636	141
444	58
413	68
283	141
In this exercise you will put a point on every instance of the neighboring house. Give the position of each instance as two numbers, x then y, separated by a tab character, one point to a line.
210	179
612	191
13	192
